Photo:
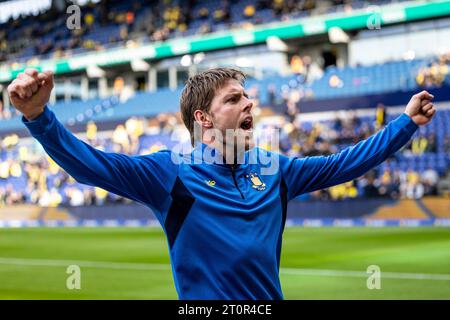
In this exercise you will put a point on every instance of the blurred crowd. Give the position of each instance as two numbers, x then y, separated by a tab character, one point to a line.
148	20
306	69
324	138
27	175
388	184
435	72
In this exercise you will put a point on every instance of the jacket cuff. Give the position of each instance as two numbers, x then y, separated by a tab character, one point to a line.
405	122
41	124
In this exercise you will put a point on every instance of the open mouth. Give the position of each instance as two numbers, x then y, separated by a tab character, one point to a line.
247	124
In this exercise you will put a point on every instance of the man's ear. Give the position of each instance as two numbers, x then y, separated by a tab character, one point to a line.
203	118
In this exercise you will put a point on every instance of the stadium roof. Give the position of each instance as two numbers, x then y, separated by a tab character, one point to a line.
16	8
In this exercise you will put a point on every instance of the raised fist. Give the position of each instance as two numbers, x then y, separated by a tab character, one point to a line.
30	92
420	108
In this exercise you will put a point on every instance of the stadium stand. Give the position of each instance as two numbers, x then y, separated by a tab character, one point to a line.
114	22
410	174
360	81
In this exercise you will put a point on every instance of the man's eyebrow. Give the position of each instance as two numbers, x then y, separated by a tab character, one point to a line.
234	92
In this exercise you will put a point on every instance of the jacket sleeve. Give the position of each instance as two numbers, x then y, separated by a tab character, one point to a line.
147	179
314	173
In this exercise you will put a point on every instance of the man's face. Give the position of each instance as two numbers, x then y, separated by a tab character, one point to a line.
231	113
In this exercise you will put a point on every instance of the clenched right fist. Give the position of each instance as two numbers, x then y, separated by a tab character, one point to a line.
30	92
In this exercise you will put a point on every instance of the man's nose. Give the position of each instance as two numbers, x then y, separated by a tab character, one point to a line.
248	105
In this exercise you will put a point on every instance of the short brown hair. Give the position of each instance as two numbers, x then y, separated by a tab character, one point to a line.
199	92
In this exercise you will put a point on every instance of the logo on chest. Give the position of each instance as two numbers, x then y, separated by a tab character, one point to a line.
256	181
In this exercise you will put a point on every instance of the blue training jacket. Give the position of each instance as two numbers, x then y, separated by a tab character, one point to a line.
223	223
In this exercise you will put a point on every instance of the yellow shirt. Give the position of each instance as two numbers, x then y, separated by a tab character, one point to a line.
100	193
91	130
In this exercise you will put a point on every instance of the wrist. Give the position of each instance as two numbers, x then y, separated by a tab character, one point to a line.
411	117
33	115
408	114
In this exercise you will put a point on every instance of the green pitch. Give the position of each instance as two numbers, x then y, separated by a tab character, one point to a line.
133	263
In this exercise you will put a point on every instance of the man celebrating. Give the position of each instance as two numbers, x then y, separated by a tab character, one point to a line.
223	219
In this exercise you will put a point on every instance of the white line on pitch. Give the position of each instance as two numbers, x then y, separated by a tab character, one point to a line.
152	266
87	264
362	274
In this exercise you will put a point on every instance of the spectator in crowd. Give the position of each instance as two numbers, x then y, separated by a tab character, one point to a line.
203	13
75	196
291	110
430	180
297	65
419	145
432	144
389	185
272	95
249	11
222	14
307	69
380	119
89	20
447	144
369	188
5	113
411	186
91	132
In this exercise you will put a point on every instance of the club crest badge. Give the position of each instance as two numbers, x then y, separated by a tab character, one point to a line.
210	183
256	181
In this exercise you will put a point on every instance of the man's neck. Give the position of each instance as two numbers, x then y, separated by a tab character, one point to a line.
233	154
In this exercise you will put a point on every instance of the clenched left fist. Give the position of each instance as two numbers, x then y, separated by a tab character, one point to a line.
420	108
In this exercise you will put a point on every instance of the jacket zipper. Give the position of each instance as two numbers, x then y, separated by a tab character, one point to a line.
235	181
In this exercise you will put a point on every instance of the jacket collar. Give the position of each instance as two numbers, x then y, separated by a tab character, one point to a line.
204	153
